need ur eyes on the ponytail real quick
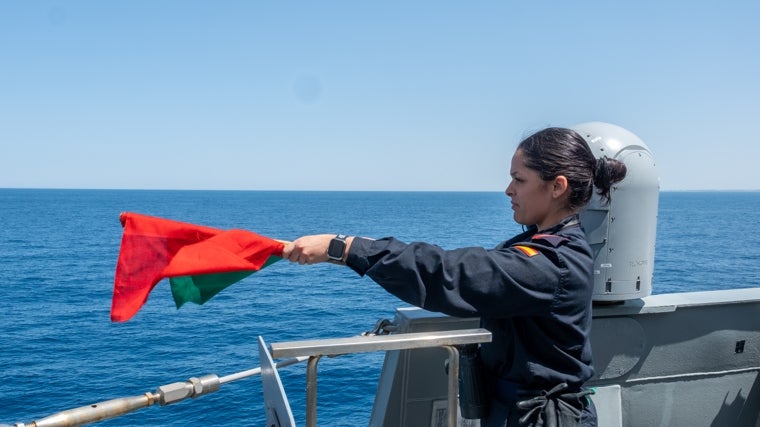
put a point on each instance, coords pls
(607, 173)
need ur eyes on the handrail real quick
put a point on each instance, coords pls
(369, 343)
(315, 349)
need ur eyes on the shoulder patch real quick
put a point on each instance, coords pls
(551, 239)
(527, 250)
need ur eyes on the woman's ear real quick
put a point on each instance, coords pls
(560, 186)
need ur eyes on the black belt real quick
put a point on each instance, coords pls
(535, 402)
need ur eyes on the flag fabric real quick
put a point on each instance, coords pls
(199, 261)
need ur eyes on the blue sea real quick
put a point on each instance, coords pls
(58, 250)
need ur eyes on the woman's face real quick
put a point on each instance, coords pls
(532, 200)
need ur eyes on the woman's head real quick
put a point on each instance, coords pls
(565, 172)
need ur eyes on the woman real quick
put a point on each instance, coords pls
(533, 292)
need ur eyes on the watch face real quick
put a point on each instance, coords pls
(336, 248)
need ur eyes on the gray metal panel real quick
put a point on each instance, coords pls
(412, 381)
(686, 359)
(275, 401)
(609, 407)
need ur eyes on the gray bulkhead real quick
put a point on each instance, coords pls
(687, 359)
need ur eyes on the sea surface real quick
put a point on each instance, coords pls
(58, 250)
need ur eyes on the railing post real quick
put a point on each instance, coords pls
(453, 384)
(311, 391)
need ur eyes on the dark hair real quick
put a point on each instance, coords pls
(560, 151)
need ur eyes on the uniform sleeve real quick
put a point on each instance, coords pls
(502, 282)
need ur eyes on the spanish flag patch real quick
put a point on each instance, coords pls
(527, 250)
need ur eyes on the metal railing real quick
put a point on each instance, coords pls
(315, 349)
(296, 351)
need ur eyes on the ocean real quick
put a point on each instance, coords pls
(58, 250)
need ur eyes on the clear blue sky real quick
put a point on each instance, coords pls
(349, 95)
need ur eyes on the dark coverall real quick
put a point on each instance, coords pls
(533, 292)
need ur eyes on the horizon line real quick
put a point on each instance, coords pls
(339, 190)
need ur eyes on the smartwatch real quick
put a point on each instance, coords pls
(337, 248)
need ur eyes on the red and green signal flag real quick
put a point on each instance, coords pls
(199, 261)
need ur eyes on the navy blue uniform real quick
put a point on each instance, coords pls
(533, 292)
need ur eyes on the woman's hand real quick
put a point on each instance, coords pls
(313, 249)
(308, 249)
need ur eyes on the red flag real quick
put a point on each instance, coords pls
(201, 261)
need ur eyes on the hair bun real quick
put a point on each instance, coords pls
(606, 173)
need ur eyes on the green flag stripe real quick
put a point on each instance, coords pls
(201, 288)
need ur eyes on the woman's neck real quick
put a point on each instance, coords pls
(555, 218)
